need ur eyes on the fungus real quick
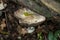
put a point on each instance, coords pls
(30, 29)
(26, 16)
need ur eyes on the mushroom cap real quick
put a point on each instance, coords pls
(30, 29)
(28, 17)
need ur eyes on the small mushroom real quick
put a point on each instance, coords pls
(26, 16)
(2, 5)
(30, 29)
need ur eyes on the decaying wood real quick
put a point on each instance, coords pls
(52, 4)
(55, 13)
(33, 6)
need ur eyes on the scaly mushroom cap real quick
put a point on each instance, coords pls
(29, 17)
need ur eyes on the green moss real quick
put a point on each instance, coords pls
(27, 14)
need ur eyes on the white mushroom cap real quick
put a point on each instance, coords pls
(29, 17)
(2, 5)
(30, 29)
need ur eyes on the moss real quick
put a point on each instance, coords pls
(27, 14)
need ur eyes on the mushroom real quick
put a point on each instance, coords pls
(2, 5)
(30, 29)
(26, 16)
